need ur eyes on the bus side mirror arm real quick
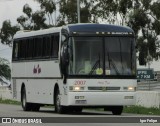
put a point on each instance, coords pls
(64, 61)
(64, 79)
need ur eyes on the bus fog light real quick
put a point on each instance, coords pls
(71, 88)
(128, 97)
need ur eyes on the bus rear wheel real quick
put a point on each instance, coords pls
(58, 107)
(76, 109)
(117, 110)
(35, 107)
(26, 106)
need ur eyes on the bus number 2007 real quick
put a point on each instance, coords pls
(80, 82)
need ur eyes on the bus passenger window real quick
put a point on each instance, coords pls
(22, 50)
(54, 46)
(15, 51)
(46, 47)
(30, 48)
(38, 47)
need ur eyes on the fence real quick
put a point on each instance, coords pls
(148, 86)
(5, 92)
(148, 99)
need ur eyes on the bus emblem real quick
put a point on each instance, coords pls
(37, 70)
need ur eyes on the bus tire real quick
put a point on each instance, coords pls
(26, 106)
(76, 109)
(35, 107)
(117, 110)
(58, 107)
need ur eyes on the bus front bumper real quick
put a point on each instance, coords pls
(101, 98)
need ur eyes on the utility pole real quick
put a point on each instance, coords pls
(55, 22)
(78, 11)
(149, 59)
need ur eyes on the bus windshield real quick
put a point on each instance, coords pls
(109, 56)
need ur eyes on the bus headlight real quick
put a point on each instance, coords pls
(76, 88)
(130, 88)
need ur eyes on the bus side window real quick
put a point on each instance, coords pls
(38, 47)
(46, 46)
(27, 48)
(15, 50)
(22, 49)
(30, 48)
(54, 45)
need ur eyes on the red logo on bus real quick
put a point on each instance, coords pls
(37, 70)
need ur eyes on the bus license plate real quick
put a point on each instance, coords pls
(81, 102)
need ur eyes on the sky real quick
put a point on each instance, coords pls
(11, 9)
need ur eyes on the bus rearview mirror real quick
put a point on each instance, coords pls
(64, 38)
(64, 59)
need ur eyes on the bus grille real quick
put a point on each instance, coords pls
(104, 88)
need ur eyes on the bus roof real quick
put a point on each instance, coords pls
(25, 34)
(84, 27)
(97, 28)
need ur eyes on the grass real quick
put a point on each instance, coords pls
(128, 109)
(141, 110)
(9, 101)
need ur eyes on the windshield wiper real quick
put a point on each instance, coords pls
(95, 65)
(114, 66)
(121, 55)
(111, 62)
(131, 56)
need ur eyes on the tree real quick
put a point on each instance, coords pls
(5, 71)
(32, 20)
(38, 18)
(143, 16)
(144, 19)
(7, 32)
(68, 11)
(26, 21)
(49, 7)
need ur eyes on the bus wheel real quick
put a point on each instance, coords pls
(35, 107)
(58, 107)
(26, 106)
(117, 110)
(77, 109)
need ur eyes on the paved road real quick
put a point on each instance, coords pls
(16, 111)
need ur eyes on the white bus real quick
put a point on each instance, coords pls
(75, 66)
